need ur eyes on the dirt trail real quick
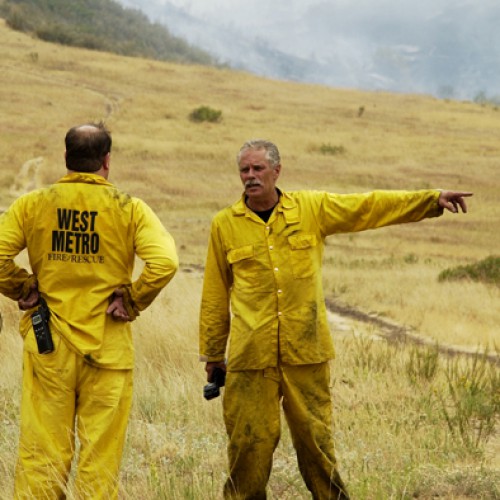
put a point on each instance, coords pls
(112, 100)
(344, 318)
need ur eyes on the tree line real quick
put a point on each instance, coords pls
(99, 25)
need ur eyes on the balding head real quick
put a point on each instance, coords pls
(86, 147)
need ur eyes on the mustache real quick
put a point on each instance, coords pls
(252, 183)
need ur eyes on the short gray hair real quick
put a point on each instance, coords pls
(272, 153)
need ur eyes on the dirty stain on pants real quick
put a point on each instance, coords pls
(252, 417)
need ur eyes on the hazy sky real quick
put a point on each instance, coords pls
(256, 12)
(409, 45)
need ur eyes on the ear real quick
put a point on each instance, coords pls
(277, 170)
(106, 162)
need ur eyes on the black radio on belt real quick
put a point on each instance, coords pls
(40, 322)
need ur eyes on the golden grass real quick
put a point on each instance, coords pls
(392, 439)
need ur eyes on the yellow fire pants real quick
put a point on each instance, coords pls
(61, 393)
(252, 418)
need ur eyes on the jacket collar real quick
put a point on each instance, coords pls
(286, 205)
(86, 178)
(240, 208)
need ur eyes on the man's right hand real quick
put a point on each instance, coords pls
(452, 200)
(211, 366)
(31, 299)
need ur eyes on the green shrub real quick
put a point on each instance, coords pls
(328, 149)
(485, 271)
(16, 18)
(56, 33)
(205, 114)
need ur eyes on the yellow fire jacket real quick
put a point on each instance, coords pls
(82, 235)
(263, 287)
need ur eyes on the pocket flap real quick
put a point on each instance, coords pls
(301, 241)
(240, 253)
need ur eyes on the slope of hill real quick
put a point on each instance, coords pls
(424, 425)
(330, 139)
(99, 25)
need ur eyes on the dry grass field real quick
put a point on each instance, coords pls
(411, 422)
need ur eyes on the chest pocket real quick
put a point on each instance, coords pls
(244, 266)
(302, 251)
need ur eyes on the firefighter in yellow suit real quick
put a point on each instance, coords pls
(82, 235)
(263, 307)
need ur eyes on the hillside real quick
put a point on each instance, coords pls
(186, 170)
(424, 422)
(99, 25)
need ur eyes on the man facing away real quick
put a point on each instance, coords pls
(263, 306)
(82, 235)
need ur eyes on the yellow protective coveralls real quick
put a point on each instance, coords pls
(263, 301)
(82, 235)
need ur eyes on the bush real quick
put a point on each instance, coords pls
(16, 18)
(205, 114)
(57, 34)
(485, 271)
(328, 149)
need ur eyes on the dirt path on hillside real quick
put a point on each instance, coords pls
(111, 99)
(345, 318)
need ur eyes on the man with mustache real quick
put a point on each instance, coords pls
(263, 295)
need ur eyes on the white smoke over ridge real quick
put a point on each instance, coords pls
(447, 48)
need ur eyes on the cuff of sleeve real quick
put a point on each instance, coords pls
(437, 209)
(28, 286)
(128, 302)
(211, 359)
